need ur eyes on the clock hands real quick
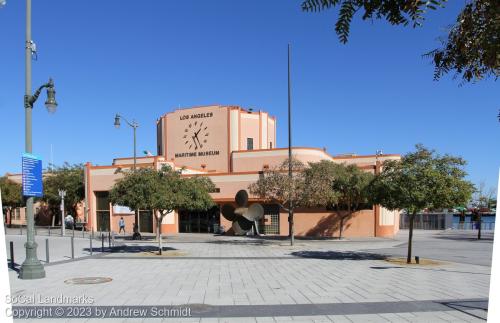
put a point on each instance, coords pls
(195, 138)
(198, 139)
(195, 144)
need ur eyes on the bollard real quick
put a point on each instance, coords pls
(47, 251)
(417, 259)
(21, 228)
(102, 242)
(109, 240)
(72, 248)
(12, 255)
(91, 236)
(73, 230)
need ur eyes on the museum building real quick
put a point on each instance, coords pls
(232, 146)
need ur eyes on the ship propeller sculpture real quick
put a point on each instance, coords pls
(243, 217)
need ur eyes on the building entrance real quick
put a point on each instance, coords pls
(199, 222)
(145, 221)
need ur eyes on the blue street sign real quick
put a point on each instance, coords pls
(32, 176)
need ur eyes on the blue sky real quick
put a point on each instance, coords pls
(144, 58)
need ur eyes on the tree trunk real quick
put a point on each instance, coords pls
(158, 231)
(410, 237)
(341, 227)
(479, 227)
(9, 210)
(136, 219)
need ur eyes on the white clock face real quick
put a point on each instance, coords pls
(195, 135)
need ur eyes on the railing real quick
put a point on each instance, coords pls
(77, 231)
(473, 226)
(424, 222)
(443, 222)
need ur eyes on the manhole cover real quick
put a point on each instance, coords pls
(88, 280)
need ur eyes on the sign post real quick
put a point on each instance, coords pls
(32, 187)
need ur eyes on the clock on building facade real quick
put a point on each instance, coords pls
(195, 135)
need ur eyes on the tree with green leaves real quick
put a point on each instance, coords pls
(276, 186)
(341, 187)
(172, 192)
(133, 191)
(11, 195)
(318, 180)
(69, 178)
(472, 48)
(421, 180)
(162, 191)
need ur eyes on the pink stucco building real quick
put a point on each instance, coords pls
(232, 146)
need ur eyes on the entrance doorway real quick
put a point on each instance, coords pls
(102, 211)
(146, 221)
(199, 222)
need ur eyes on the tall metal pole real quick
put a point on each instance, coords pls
(63, 225)
(31, 268)
(290, 207)
(135, 146)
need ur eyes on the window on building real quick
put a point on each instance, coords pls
(159, 137)
(102, 210)
(249, 143)
(270, 224)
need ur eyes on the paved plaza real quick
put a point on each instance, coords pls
(240, 279)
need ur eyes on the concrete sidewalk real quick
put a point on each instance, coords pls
(323, 281)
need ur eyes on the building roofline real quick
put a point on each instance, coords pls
(141, 157)
(318, 149)
(231, 107)
(365, 156)
(254, 172)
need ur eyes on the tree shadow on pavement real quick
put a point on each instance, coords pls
(131, 249)
(339, 255)
(241, 242)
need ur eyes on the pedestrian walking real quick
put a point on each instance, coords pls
(121, 224)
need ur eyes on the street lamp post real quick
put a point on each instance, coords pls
(290, 206)
(134, 126)
(32, 268)
(62, 194)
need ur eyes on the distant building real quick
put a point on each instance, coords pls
(232, 146)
